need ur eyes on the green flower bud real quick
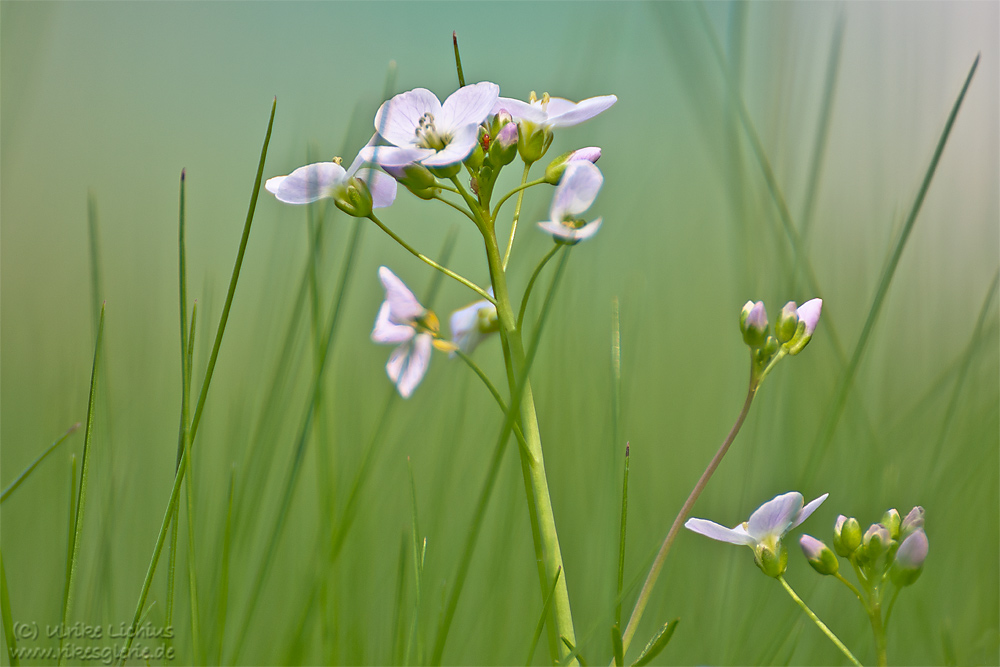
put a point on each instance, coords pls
(355, 199)
(446, 172)
(909, 561)
(788, 322)
(819, 555)
(532, 141)
(772, 562)
(475, 159)
(891, 521)
(877, 541)
(846, 535)
(503, 148)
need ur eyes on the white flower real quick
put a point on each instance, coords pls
(473, 324)
(329, 179)
(575, 193)
(552, 112)
(423, 130)
(765, 529)
(402, 320)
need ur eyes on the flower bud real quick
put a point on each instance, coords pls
(416, 178)
(819, 555)
(913, 521)
(891, 522)
(846, 535)
(753, 324)
(532, 141)
(447, 171)
(772, 562)
(556, 168)
(500, 121)
(355, 199)
(876, 541)
(788, 322)
(808, 314)
(503, 150)
(475, 159)
(909, 561)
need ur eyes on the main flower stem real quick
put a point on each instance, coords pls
(878, 629)
(532, 465)
(654, 571)
(820, 624)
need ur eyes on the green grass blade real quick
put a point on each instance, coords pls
(616, 436)
(69, 523)
(82, 494)
(657, 643)
(621, 541)
(397, 614)
(8, 618)
(34, 464)
(412, 643)
(617, 648)
(847, 380)
(189, 486)
(458, 60)
(537, 634)
(472, 535)
(179, 476)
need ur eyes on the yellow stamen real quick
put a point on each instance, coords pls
(337, 160)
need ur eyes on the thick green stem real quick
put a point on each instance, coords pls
(536, 485)
(654, 571)
(815, 619)
(878, 629)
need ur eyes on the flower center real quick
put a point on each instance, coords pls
(573, 223)
(427, 134)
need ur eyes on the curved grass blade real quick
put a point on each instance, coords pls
(657, 643)
(34, 464)
(179, 476)
(82, 495)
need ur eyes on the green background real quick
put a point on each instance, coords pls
(112, 100)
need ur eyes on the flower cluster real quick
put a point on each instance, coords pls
(422, 143)
(792, 332)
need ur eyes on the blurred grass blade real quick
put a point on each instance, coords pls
(621, 541)
(657, 643)
(34, 464)
(418, 569)
(189, 487)
(8, 618)
(574, 653)
(397, 614)
(963, 372)
(537, 634)
(179, 476)
(227, 538)
(847, 380)
(82, 494)
(472, 535)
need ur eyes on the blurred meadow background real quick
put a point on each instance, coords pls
(103, 104)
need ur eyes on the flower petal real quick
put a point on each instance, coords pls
(468, 105)
(307, 184)
(804, 513)
(382, 187)
(416, 365)
(717, 532)
(520, 110)
(774, 518)
(560, 116)
(463, 141)
(577, 189)
(562, 231)
(403, 306)
(397, 360)
(396, 120)
(398, 156)
(387, 331)
(809, 313)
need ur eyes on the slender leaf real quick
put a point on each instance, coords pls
(657, 643)
(34, 464)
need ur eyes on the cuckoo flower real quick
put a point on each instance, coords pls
(422, 129)
(576, 191)
(553, 112)
(402, 320)
(354, 190)
(473, 324)
(765, 529)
